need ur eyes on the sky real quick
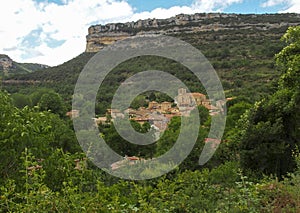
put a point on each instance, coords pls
(54, 31)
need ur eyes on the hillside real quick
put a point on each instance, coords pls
(61, 78)
(240, 47)
(9, 67)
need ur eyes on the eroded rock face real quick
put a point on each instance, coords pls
(101, 35)
(97, 41)
(5, 63)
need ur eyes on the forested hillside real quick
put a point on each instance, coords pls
(241, 50)
(243, 59)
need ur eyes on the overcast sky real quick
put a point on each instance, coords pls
(53, 31)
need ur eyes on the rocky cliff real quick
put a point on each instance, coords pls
(6, 64)
(101, 35)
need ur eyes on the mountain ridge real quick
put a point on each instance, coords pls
(10, 67)
(100, 36)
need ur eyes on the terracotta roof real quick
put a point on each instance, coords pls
(231, 98)
(133, 158)
(211, 107)
(212, 140)
(195, 94)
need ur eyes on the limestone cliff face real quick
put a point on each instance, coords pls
(101, 35)
(97, 41)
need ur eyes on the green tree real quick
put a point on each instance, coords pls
(152, 96)
(270, 131)
(52, 101)
(21, 100)
(203, 114)
(288, 60)
(37, 94)
(235, 112)
(139, 101)
(123, 147)
(169, 137)
(39, 132)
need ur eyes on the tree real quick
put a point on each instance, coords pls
(269, 131)
(39, 132)
(37, 94)
(21, 100)
(139, 101)
(123, 147)
(169, 137)
(52, 101)
(235, 112)
(203, 114)
(288, 60)
(152, 96)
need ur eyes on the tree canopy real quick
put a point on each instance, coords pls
(269, 131)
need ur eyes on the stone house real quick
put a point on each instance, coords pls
(153, 105)
(166, 106)
(184, 99)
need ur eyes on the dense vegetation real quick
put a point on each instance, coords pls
(255, 169)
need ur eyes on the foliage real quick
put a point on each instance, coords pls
(125, 148)
(21, 100)
(39, 132)
(270, 131)
(203, 114)
(52, 101)
(205, 191)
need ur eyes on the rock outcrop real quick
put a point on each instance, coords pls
(6, 63)
(101, 35)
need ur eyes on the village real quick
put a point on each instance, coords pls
(159, 114)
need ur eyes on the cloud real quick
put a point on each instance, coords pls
(291, 6)
(52, 33)
(214, 5)
(37, 27)
(31, 53)
(197, 6)
(272, 3)
(10, 49)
